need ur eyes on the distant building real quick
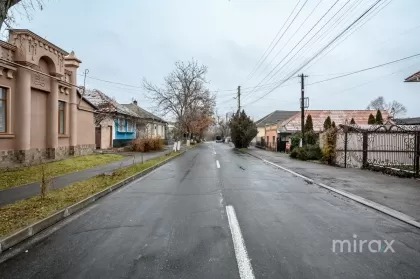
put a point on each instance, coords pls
(153, 125)
(407, 121)
(293, 124)
(118, 124)
(267, 127)
(115, 124)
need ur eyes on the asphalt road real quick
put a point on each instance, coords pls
(217, 213)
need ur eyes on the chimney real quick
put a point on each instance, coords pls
(135, 102)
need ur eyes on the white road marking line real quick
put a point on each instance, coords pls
(242, 259)
(218, 164)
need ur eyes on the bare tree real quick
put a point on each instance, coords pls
(23, 7)
(183, 95)
(394, 108)
(222, 125)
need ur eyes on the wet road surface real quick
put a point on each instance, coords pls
(217, 213)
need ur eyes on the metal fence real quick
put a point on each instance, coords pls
(261, 144)
(387, 146)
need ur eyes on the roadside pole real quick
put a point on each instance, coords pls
(302, 106)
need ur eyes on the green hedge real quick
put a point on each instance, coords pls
(308, 152)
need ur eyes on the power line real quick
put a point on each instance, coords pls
(319, 52)
(299, 41)
(329, 29)
(378, 9)
(297, 30)
(262, 97)
(367, 69)
(291, 58)
(261, 60)
(113, 82)
(335, 39)
(290, 24)
(380, 77)
(137, 87)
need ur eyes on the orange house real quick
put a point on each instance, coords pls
(271, 136)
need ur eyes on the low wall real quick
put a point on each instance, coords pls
(15, 158)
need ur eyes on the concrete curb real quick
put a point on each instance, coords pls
(381, 208)
(23, 234)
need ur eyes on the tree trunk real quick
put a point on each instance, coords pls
(5, 6)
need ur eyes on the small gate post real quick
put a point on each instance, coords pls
(345, 149)
(365, 149)
(417, 154)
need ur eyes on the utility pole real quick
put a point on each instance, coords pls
(302, 105)
(239, 98)
(85, 73)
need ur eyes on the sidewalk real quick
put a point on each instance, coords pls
(21, 192)
(401, 194)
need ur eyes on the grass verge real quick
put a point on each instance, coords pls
(25, 212)
(23, 175)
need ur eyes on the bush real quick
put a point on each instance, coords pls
(295, 141)
(294, 152)
(243, 129)
(328, 152)
(308, 152)
(147, 144)
(314, 152)
(311, 137)
(302, 153)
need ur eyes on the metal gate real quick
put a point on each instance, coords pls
(388, 146)
(281, 145)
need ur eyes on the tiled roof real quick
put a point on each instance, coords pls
(338, 116)
(142, 113)
(275, 117)
(408, 121)
(413, 78)
(86, 100)
(106, 104)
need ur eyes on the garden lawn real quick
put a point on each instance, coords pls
(25, 212)
(23, 175)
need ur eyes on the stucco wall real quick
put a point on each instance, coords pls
(9, 85)
(106, 137)
(261, 132)
(7, 144)
(85, 126)
(271, 131)
(39, 119)
(63, 141)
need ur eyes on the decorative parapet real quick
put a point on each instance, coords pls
(31, 47)
(7, 50)
(6, 54)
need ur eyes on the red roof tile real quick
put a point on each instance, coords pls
(338, 116)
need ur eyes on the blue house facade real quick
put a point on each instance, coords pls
(116, 123)
(125, 132)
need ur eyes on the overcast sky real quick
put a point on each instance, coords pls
(135, 39)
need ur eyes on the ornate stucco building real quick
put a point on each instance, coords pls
(42, 114)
